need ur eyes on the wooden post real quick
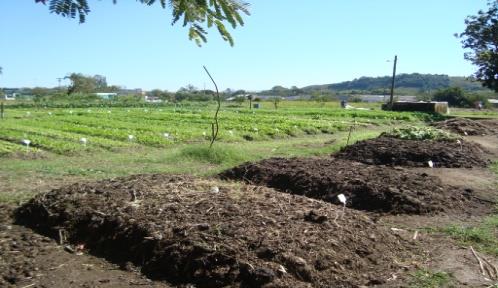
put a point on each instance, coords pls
(391, 99)
(1, 110)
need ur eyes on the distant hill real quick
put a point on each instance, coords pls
(414, 83)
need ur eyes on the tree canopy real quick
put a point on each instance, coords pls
(481, 37)
(195, 14)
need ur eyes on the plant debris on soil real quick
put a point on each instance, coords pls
(400, 152)
(367, 187)
(210, 233)
(467, 127)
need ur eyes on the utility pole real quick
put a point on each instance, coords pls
(391, 99)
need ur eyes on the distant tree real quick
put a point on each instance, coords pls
(453, 95)
(196, 14)
(81, 84)
(100, 82)
(481, 36)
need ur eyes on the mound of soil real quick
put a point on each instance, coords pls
(367, 187)
(399, 152)
(28, 259)
(464, 126)
(210, 233)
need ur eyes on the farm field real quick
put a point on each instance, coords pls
(73, 131)
(397, 227)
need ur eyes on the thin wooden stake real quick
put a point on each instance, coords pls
(215, 125)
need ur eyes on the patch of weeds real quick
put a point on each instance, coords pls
(483, 237)
(424, 278)
(215, 155)
(421, 133)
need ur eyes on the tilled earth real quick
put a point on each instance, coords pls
(468, 127)
(209, 233)
(400, 152)
(30, 260)
(367, 187)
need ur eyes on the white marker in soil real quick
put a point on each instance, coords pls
(26, 142)
(83, 141)
(431, 164)
(166, 135)
(130, 137)
(343, 200)
(215, 189)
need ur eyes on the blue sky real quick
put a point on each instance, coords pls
(284, 42)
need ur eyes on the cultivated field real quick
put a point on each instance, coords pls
(71, 131)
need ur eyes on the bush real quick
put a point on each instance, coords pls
(421, 133)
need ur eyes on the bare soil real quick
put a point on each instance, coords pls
(400, 152)
(367, 187)
(213, 234)
(28, 259)
(468, 127)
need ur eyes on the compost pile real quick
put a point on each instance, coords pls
(210, 233)
(415, 153)
(17, 251)
(371, 188)
(464, 126)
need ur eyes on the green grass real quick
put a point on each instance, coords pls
(218, 154)
(428, 279)
(22, 178)
(484, 236)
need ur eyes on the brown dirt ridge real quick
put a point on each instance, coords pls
(414, 153)
(217, 234)
(367, 187)
(468, 127)
(28, 259)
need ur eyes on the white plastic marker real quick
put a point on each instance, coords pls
(343, 200)
(26, 142)
(461, 146)
(166, 135)
(230, 131)
(204, 133)
(130, 137)
(255, 129)
(215, 189)
(109, 111)
(70, 111)
(83, 141)
(431, 164)
(50, 113)
(28, 113)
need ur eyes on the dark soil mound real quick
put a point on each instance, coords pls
(215, 234)
(28, 259)
(367, 187)
(415, 153)
(464, 126)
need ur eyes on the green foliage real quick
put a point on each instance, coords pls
(421, 133)
(86, 84)
(483, 236)
(480, 36)
(59, 130)
(424, 278)
(216, 154)
(455, 97)
(197, 15)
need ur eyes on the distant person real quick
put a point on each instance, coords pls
(344, 103)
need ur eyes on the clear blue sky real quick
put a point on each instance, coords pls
(284, 42)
